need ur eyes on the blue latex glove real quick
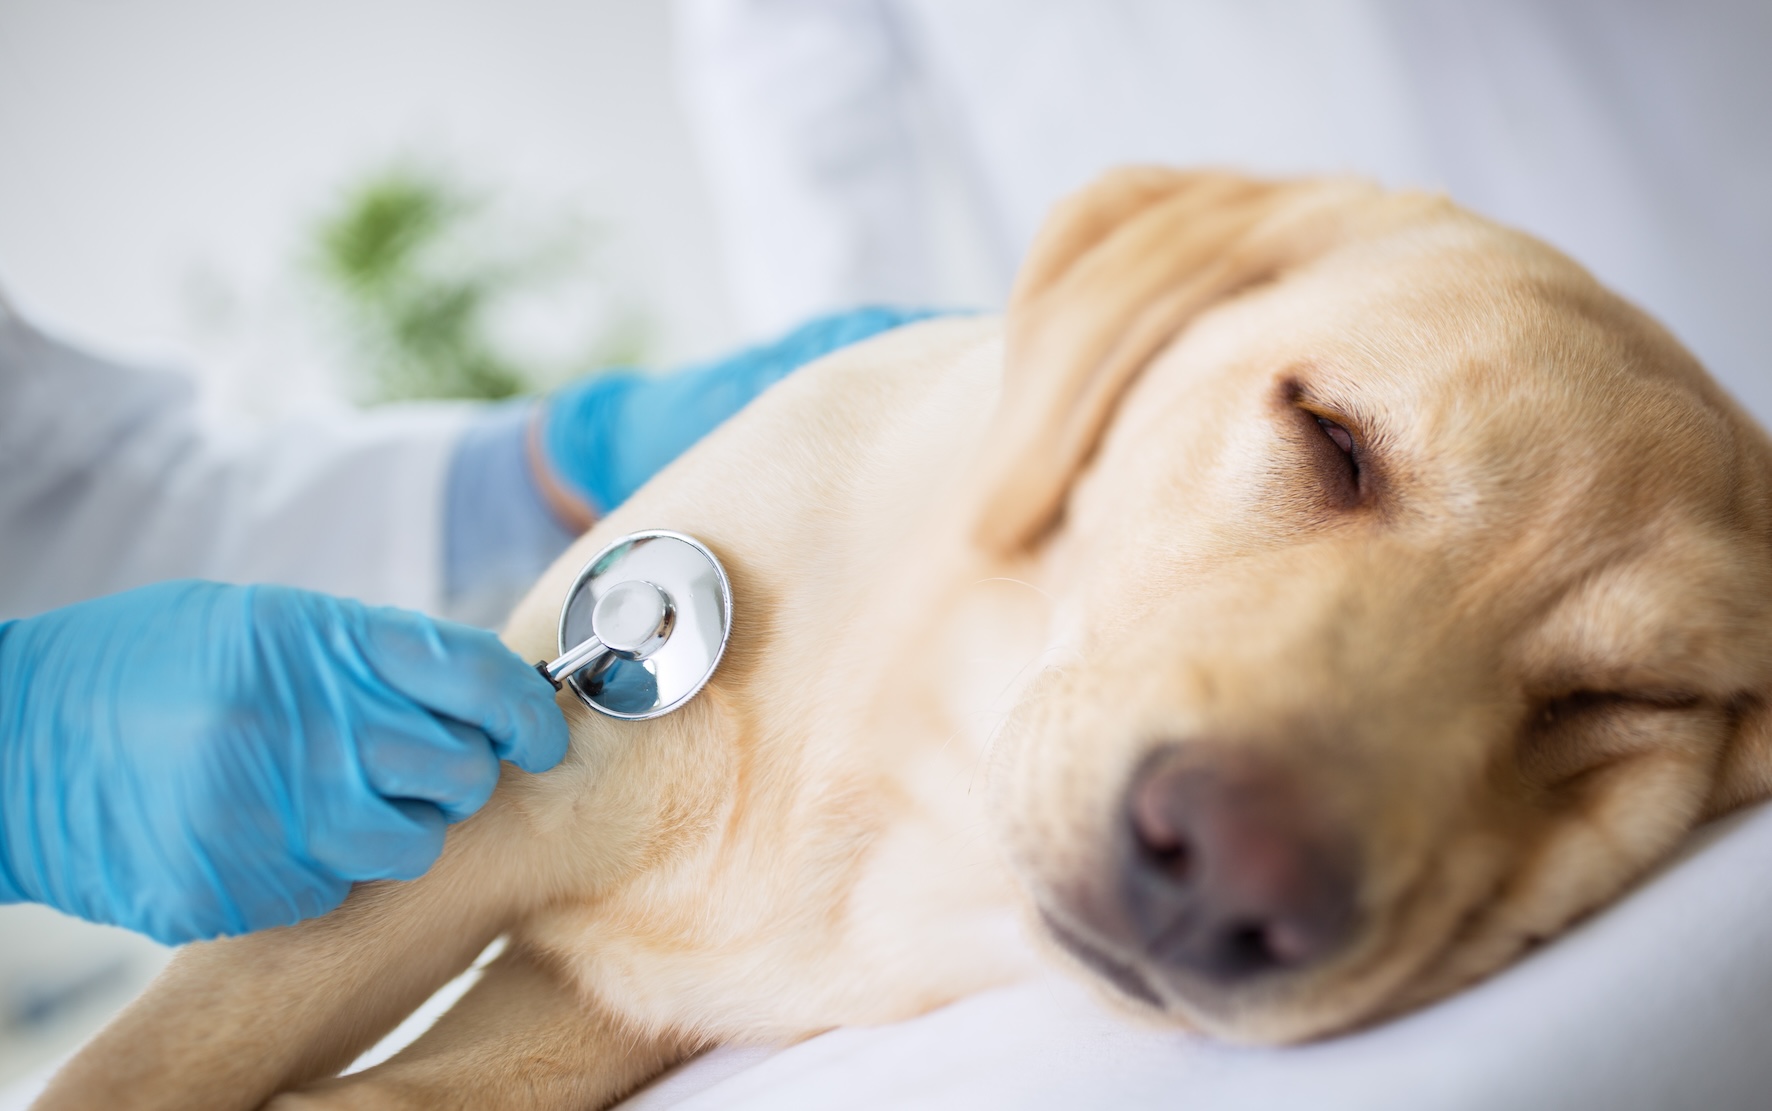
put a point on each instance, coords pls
(605, 437)
(192, 759)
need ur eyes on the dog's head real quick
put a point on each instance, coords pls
(1412, 594)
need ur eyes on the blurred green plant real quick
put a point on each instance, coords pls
(420, 271)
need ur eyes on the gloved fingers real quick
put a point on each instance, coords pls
(430, 759)
(377, 839)
(467, 674)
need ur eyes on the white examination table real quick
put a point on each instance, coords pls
(1663, 1001)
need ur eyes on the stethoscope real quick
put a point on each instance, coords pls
(643, 626)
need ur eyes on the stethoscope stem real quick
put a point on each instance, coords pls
(633, 620)
(579, 657)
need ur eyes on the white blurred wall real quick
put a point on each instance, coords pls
(159, 160)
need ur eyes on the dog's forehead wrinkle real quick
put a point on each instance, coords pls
(1473, 337)
(1501, 459)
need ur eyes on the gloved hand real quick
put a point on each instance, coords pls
(193, 759)
(603, 438)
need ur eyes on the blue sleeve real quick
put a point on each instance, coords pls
(606, 436)
(498, 532)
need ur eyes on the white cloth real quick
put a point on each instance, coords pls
(110, 479)
(1636, 136)
(1662, 1001)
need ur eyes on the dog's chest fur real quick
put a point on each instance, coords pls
(836, 768)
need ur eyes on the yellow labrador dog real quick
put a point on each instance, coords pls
(1310, 598)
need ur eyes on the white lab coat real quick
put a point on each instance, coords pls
(840, 134)
(110, 478)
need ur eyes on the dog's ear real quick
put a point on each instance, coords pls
(1116, 273)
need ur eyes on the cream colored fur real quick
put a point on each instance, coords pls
(973, 589)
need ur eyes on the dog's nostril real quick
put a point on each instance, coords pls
(1159, 840)
(1286, 943)
(1228, 875)
(1248, 945)
(1172, 858)
(1251, 947)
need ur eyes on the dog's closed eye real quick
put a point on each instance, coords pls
(1338, 459)
(1568, 707)
(1342, 437)
(1574, 733)
(1335, 449)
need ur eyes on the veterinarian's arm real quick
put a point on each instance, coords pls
(528, 478)
(110, 478)
(602, 439)
(193, 759)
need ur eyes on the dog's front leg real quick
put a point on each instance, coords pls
(521, 1039)
(230, 1023)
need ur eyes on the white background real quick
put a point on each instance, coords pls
(160, 162)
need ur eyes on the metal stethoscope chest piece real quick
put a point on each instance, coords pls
(643, 626)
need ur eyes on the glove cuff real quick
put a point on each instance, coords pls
(573, 450)
(571, 508)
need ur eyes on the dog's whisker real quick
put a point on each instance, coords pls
(1017, 582)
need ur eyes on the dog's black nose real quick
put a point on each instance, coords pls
(1228, 870)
